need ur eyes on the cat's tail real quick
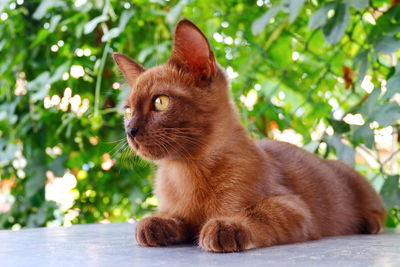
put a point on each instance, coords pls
(369, 203)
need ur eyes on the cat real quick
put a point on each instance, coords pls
(215, 185)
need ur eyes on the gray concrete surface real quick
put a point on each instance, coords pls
(114, 245)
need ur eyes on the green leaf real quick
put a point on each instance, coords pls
(39, 218)
(57, 166)
(91, 25)
(43, 34)
(36, 182)
(281, 51)
(393, 86)
(7, 151)
(336, 26)
(39, 87)
(388, 23)
(362, 135)
(260, 23)
(2, 44)
(3, 4)
(391, 191)
(358, 4)
(312, 146)
(361, 64)
(391, 221)
(173, 14)
(57, 75)
(387, 44)
(387, 114)
(145, 53)
(294, 9)
(125, 16)
(320, 17)
(339, 126)
(343, 151)
(41, 11)
(54, 22)
(114, 32)
(369, 107)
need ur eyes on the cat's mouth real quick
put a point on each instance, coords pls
(133, 143)
(148, 152)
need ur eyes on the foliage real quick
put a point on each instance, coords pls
(320, 73)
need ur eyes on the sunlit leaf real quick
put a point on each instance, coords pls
(320, 17)
(3, 4)
(393, 86)
(311, 147)
(362, 135)
(124, 19)
(91, 25)
(336, 26)
(387, 44)
(114, 32)
(343, 151)
(260, 23)
(387, 114)
(294, 9)
(43, 34)
(41, 11)
(391, 191)
(58, 165)
(361, 64)
(173, 14)
(358, 4)
(54, 22)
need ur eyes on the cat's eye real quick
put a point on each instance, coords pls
(128, 112)
(161, 103)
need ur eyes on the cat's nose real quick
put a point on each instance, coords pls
(132, 132)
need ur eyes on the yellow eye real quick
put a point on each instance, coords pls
(161, 103)
(128, 113)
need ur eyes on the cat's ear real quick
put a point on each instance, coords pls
(129, 68)
(191, 50)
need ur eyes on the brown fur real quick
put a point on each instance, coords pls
(215, 184)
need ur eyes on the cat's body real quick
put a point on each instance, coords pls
(214, 183)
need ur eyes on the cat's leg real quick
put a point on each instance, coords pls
(158, 231)
(275, 220)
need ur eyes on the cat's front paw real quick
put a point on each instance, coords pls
(158, 231)
(219, 235)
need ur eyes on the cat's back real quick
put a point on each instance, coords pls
(315, 179)
(293, 158)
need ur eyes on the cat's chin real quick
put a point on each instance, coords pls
(139, 150)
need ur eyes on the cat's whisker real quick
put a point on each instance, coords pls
(189, 139)
(195, 141)
(114, 151)
(185, 135)
(127, 154)
(186, 153)
(113, 142)
(163, 142)
(120, 150)
(163, 146)
(119, 158)
(182, 138)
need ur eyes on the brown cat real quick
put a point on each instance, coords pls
(215, 184)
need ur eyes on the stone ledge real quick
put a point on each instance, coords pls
(114, 245)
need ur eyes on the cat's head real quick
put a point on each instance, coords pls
(173, 109)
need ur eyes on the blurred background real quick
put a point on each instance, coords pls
(324, 75)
